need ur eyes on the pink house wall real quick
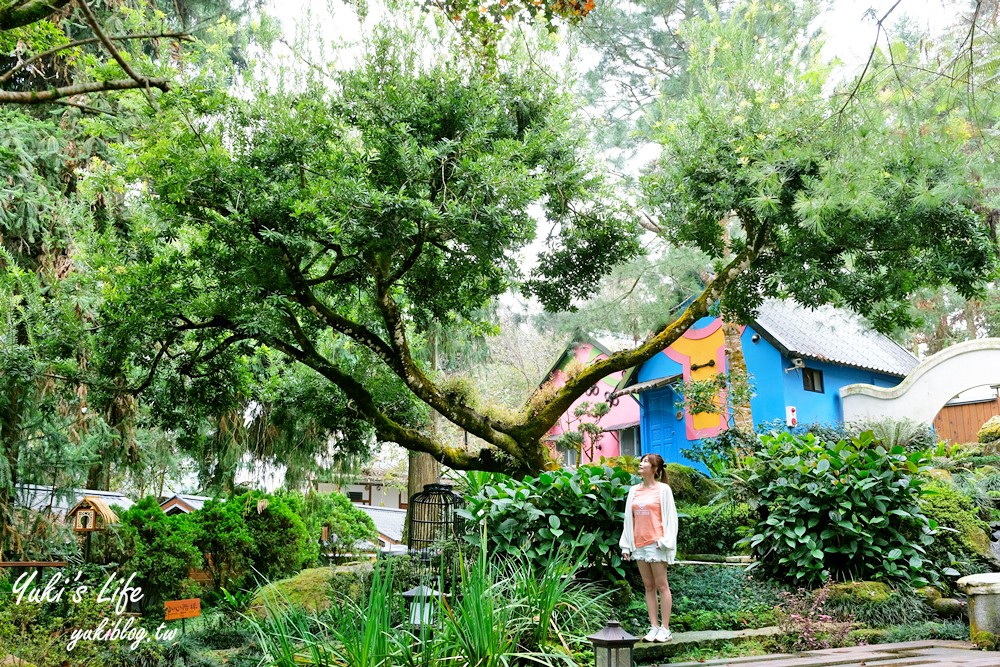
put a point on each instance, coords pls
(626, 412)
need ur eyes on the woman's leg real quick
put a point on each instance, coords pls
(659, 575)
(649, 585)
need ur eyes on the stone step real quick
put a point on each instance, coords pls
(646, 653)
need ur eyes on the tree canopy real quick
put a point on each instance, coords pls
(335, 222)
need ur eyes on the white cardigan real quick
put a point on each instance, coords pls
(669, 513)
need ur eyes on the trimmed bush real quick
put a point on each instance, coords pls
(160, 549)
(315, 589)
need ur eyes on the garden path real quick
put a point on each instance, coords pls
(907, 654)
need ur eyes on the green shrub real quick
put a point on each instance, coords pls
(282, 545)
(160, 549)
(581, 510)
(338, 514)
(309, 590)
(226, 542)
(962, 538)
(713, 529)
(689, 486)
(708, 597)
(839, 510)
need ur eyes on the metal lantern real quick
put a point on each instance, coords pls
(612, 646)
(433, 518)
(420, 600)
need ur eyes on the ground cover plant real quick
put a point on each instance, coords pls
(707, 597)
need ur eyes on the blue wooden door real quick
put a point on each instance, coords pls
(657, 431)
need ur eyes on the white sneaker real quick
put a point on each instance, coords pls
(663, 635)
(653, 633)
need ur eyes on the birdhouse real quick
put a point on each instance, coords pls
(91, 514)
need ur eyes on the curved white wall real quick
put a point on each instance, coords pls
(935, 381)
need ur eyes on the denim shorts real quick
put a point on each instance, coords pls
(651, 554)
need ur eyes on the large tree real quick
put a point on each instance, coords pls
(336, 223)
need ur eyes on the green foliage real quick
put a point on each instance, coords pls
(689, 485)
(706, 396)
(580, 510)
(335, 512)
(962, 540)
(226, 542)
(494, 617)
(713, 529)
(254, 216)
(159, 548)
(883, 609)
(281, 544)
(818, 181)
(840, 510)
(955, 630)
(309, 590)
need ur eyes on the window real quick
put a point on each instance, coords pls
(812, 380)
(356, 496)
(628, 441)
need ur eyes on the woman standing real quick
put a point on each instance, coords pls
(650, 539)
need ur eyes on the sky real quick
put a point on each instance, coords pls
(850, 28)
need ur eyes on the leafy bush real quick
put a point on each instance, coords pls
(160, 549)
(840, 510)
(581, 510)
(893, 607)
(713, 529)
(928, 630)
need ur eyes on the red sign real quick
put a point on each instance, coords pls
(178, 609)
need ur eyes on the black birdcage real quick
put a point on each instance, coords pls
(433, 518)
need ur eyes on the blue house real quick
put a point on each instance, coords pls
(797, 358)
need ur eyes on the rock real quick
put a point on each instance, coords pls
(853, 591)
(989, 431)
(985, 640)
(930, 594)
(949, 607)
(939, 474)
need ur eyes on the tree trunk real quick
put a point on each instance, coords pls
(424, 468)
(737, 365)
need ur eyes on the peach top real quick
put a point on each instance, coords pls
(647, 516)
